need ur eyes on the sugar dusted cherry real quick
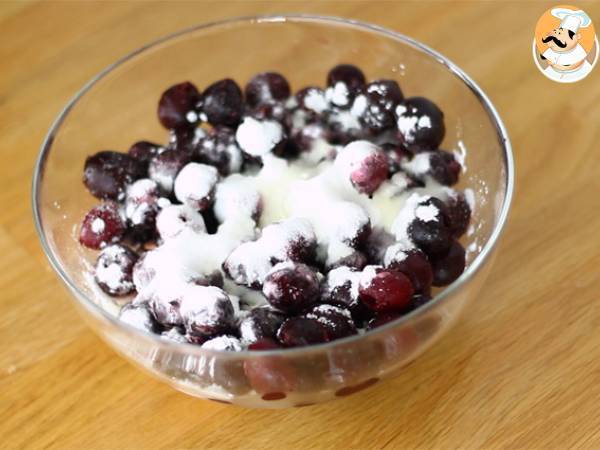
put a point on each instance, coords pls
(265, 88)
(107, 174)
(177, 106)
(384, 290)
(101, 226)
(114, 268)
(291, 287)
(448, 267)
(195, 185)
(164, 168)
(222, 103)
(421, 124)
(301, 331)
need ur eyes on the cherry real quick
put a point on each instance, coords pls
(414, 264)
(102, 225)
(421, 124)
(459, 214)
(291, 287)
(222, 103)
(260, 323)
(448, 267)
(386, 93)
(219, 149)
(312, 100)
(337, 321)
(301, 331)
(265, 88)
(177, 106)
(195, 185)
(138, 316)
(348, 74)
(164, 168)
(370, 173)
(174, 219)
(444, 167)
(226, 373)
(206, 311)
(107, 174)
(114, 268)
(388, 290)
(144, 151)
(431, 232)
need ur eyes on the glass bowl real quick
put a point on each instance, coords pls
(118, 107)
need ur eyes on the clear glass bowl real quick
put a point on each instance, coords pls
(118, 107)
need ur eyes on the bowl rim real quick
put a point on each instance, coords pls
(155, 339)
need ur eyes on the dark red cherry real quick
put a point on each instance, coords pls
(459, 214)
(337, 321)
(107, 174)
(301, 331)
(222, 103)
(101, 226)
(444, 167)
(144, 151)
(448, 267)
(266, 87)
(291, 287)
(348, 74)
(114, 268)
(414, 264)
(177, 106)
(421, 124)
(388, 290)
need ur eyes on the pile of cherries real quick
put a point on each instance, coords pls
(379, 282)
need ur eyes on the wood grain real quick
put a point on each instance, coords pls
(521, 368)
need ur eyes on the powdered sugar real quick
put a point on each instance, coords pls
(195, 184)
(427, 213)
(236, 195)
(315, 100)
(98, 225)
(173, 219)
(223, 343)
(258, 138)
(337, 94)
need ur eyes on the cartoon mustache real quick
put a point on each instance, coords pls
(556, 41)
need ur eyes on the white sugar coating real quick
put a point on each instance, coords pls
(409, 124)
(174, 335)
(284, 265)
(400, 110)
(470, 198)
(337, 94)
(427, 213)
(163, 202)
(397, 252)
(248, 264)
(352, 156)
(339, 277)
(142, 189)
(337, 250)
(419, 165)
(113, 277)
(330, 309)
(258, 138)
(191, 116)
(113, 274)
(228, 343)
(406, 216)
(234, 196)
(251, 298)
(367, 275)
(359, 106)
(98, 225)
(424, 122)
(315, 100)
(137, 316)
(276, 237)
(346, 120)
(173, 219)
(194, 183)
(203, 305)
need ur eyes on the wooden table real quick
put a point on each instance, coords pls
(520, 370)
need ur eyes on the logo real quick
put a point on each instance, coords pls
(565, 46)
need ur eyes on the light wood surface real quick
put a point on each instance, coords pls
(520, 370)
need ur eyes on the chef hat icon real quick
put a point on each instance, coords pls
(572, 20)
